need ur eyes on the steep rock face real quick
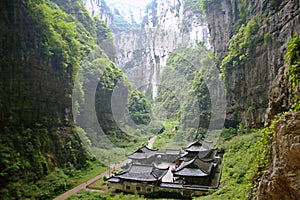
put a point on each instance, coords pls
(167, 24)
(281, 180)
(222, 17)
(33, 87)
(248, 85)
(280, 96)
(35, 100)
(132, 14)
(100, 8)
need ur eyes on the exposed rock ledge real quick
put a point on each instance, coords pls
(281, 180)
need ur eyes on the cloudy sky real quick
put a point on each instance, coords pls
(136, 3)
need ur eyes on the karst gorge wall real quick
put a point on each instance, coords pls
(35, 94)
(99, 8)
(37, 69)
(259, 87)
(36, 104)
(166, 25)
(248, 81)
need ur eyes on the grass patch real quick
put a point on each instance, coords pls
(166, 139)
(116, 154)
(244, 156)
(100, 184)
(109, 196)
(59, 181)
(95, 168)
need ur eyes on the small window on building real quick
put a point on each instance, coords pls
(149, 190)
(138, 188)
(127, 187)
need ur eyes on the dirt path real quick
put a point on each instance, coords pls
(80, 187)
(151, 141)
(106, 173)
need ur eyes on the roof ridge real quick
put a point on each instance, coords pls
(184, 164)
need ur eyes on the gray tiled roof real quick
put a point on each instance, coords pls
(204, 166)
(141, 172)
(114, 180)
(199, 145)
(191, 172)
(145, 149)
(204, 154)
(172, 152)
(196, 148)
(184, 164)
(195, 165)
(143, 153)
(206, 157)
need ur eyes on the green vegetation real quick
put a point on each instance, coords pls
(166, 139)
(55, 182)
(190, 103)
(293, 58)
(61, 40)
(100, 196)
(139, 108)
(27, 161)
(117, 153)
(203, 4)
(114, 78)
(241, 47)
(267, 38)
(87, 195)
(242, 8)
(192, 5)
(244, 160)
(153, 7)
(121, 25)
(43, 158)
(200, 90)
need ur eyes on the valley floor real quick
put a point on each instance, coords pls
(244, 150)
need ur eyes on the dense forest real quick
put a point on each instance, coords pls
(69, 106)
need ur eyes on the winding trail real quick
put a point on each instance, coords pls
(104, 174)
(151, 141)
(80, 187)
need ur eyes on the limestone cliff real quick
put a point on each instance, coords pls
(99, 8)
(37, 130)
(33, 87)
(167, 25)
(249, 83)
(260, 88)
(281, 180)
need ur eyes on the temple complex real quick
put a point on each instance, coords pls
(192, 172)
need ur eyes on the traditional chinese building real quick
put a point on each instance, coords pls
(195, 171)
(144, 155)
(139, 178)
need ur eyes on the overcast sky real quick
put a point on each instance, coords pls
(136, 3)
